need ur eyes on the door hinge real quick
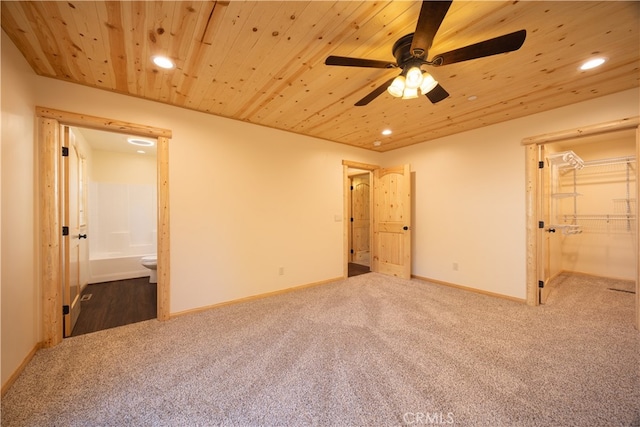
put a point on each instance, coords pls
(351, 188)
(540, 284)
(65, 309)
(65, 230)
(351, 219)
(541, 165)
(540, 224)
(65, 151)
(352, 251)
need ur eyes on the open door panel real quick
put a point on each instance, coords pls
(392, 221)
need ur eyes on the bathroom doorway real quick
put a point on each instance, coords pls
(50, 124)
(120, 228)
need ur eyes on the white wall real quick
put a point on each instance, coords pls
(20, 295)
(123, 168)
(470, 195)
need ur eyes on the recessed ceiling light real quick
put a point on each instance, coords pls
(472, 98)
(163, 62)
(140, 142)
(377, 143)
(140, 151)
(387, 132)
(592, 63)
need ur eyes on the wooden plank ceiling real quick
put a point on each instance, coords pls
(263, 62)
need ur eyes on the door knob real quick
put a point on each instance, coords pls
(551, 230)
(405, 228)
(82, 236)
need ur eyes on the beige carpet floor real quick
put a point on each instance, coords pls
(367, 351)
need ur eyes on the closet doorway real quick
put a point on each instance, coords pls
(536, 210)
(590, 209)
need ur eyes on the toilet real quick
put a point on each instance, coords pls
(151, 262)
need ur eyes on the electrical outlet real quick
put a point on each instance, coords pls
(455, 266)
(281, 271)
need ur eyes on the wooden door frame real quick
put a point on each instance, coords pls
(346, 165)
(50, 226)
(532, 194)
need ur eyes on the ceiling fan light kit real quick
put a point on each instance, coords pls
(407, 87)
(411, 52)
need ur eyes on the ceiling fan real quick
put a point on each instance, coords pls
(411, 52)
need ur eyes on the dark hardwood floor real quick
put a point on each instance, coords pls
(116, 303)
(357, 269)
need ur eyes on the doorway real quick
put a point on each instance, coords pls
(591, 217)
(119, 200)
(389, 199)
(536, 263)
(359, 222)
(50, 142)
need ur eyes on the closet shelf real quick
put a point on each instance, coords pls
(601, 217)
(568, 174)
(627, 161)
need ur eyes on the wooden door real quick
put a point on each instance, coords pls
(392, 221)
(73, 214)
(544, 233)
(360, 219)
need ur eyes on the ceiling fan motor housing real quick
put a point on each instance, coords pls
(402, 50)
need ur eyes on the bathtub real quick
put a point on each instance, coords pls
(107, 267)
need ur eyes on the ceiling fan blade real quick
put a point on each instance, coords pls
(432, 14)
(374, 93)
(437, 94)
(506, 43)
(345, 61)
